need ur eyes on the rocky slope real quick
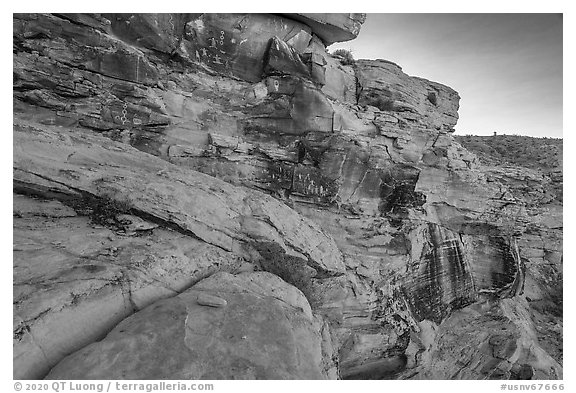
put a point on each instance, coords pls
(226, 167)
(532, 170)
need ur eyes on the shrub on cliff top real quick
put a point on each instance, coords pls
(382, 103)
(433, 98)
(345, 55)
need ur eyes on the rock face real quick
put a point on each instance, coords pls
(125, 275)
(74, 280)
(183, 338)
(532, 170)
(385, 86)
(191, 150)
(332, 27)
(216, 213)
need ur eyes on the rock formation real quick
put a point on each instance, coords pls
(188, 337)
(226, 168)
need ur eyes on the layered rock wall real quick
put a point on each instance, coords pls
(241, 133)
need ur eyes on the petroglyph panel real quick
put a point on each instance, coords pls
(308, 181)
(236, 44)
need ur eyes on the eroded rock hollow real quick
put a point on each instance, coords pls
(221, 192)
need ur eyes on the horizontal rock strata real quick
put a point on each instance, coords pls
(165, 161)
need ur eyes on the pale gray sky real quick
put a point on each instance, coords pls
(506, 67)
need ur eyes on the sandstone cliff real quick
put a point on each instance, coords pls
(225, 167)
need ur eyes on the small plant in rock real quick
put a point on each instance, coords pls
(101, 210)
(293, 270)
(346, 57)
(382, 103)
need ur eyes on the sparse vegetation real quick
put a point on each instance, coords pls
(433, 98)
(293, 270)
(534, 153)
(382, 103)
(101, 210)
(541, 154)
(346, 57)
(382, 99)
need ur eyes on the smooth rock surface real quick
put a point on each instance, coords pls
(217, 213)
(263, 333)
(74, 279)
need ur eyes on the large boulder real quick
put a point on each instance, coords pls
(236, 44)
(494, 342)
(332, 27)
(246, 326)
(80, 267)
(384, 85)
(283, 59)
